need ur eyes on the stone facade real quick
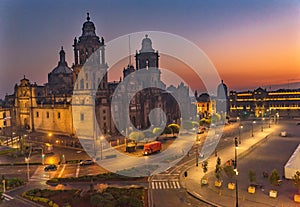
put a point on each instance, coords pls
(67, 100)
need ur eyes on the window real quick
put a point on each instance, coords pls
(86, 85)
(82, 117)
(81, 84)
(104, 111)
(47, 114)
(86, 76)
(37, 114)
(58, 115)
(104, 118)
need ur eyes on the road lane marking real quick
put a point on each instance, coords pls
(174, 184)
(7, 197)
(153, 185)
(62, 170)
(77, 170)
(163, 185)
(178, 185)
(156, 185)
(167, 185)
(159, 184)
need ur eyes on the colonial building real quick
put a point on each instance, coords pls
(260, 103)
(208, 105)
(66, 100)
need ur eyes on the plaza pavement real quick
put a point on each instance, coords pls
(225, 197)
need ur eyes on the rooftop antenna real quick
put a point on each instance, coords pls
(129, 50)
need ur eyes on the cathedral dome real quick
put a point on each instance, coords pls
(147, 45)
(88, 28)
(62, 66)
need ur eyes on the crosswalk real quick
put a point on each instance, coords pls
(40, 175)
(160, 185)
(7, 197)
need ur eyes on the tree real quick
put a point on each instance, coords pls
(229, 171)
(149, 134)
(175, 128)
(218, 169)
(168, 130)
(215, 118)
(296, 180)
(274, 177)
(204, 167)
(195, 124)
(136, 136)
(157, 131)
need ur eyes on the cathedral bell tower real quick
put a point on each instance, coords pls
(86, 45)
(90, 78)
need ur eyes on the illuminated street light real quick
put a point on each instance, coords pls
(49, 136)
(236, 144)
(101, 146)
(253, 122)
(240, 127)
(262, 124)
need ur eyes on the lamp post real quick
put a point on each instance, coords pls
(253, 122)
(197, 152)
(49, 136)
(240, 127)
(236, 172)
(262, 124)
(101, 146)
(43, 157)
(27, 160)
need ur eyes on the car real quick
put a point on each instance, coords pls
(50, 168)
(86, 162)
(283, 134)
(298, 123)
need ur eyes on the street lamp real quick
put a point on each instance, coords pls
(43, 157)
(197, 152)
(49, 136)
(253, 122)
(240, 127)
(101, 146)
(236, 171)
(27, 160)
(262, 124)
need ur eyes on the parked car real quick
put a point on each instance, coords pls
(50, 168)
(86, 162)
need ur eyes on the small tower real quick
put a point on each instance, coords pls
(146, 57)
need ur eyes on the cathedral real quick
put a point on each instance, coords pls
(66, 98)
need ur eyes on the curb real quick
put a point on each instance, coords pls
(23, 200)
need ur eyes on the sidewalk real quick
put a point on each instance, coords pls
(225, 197)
